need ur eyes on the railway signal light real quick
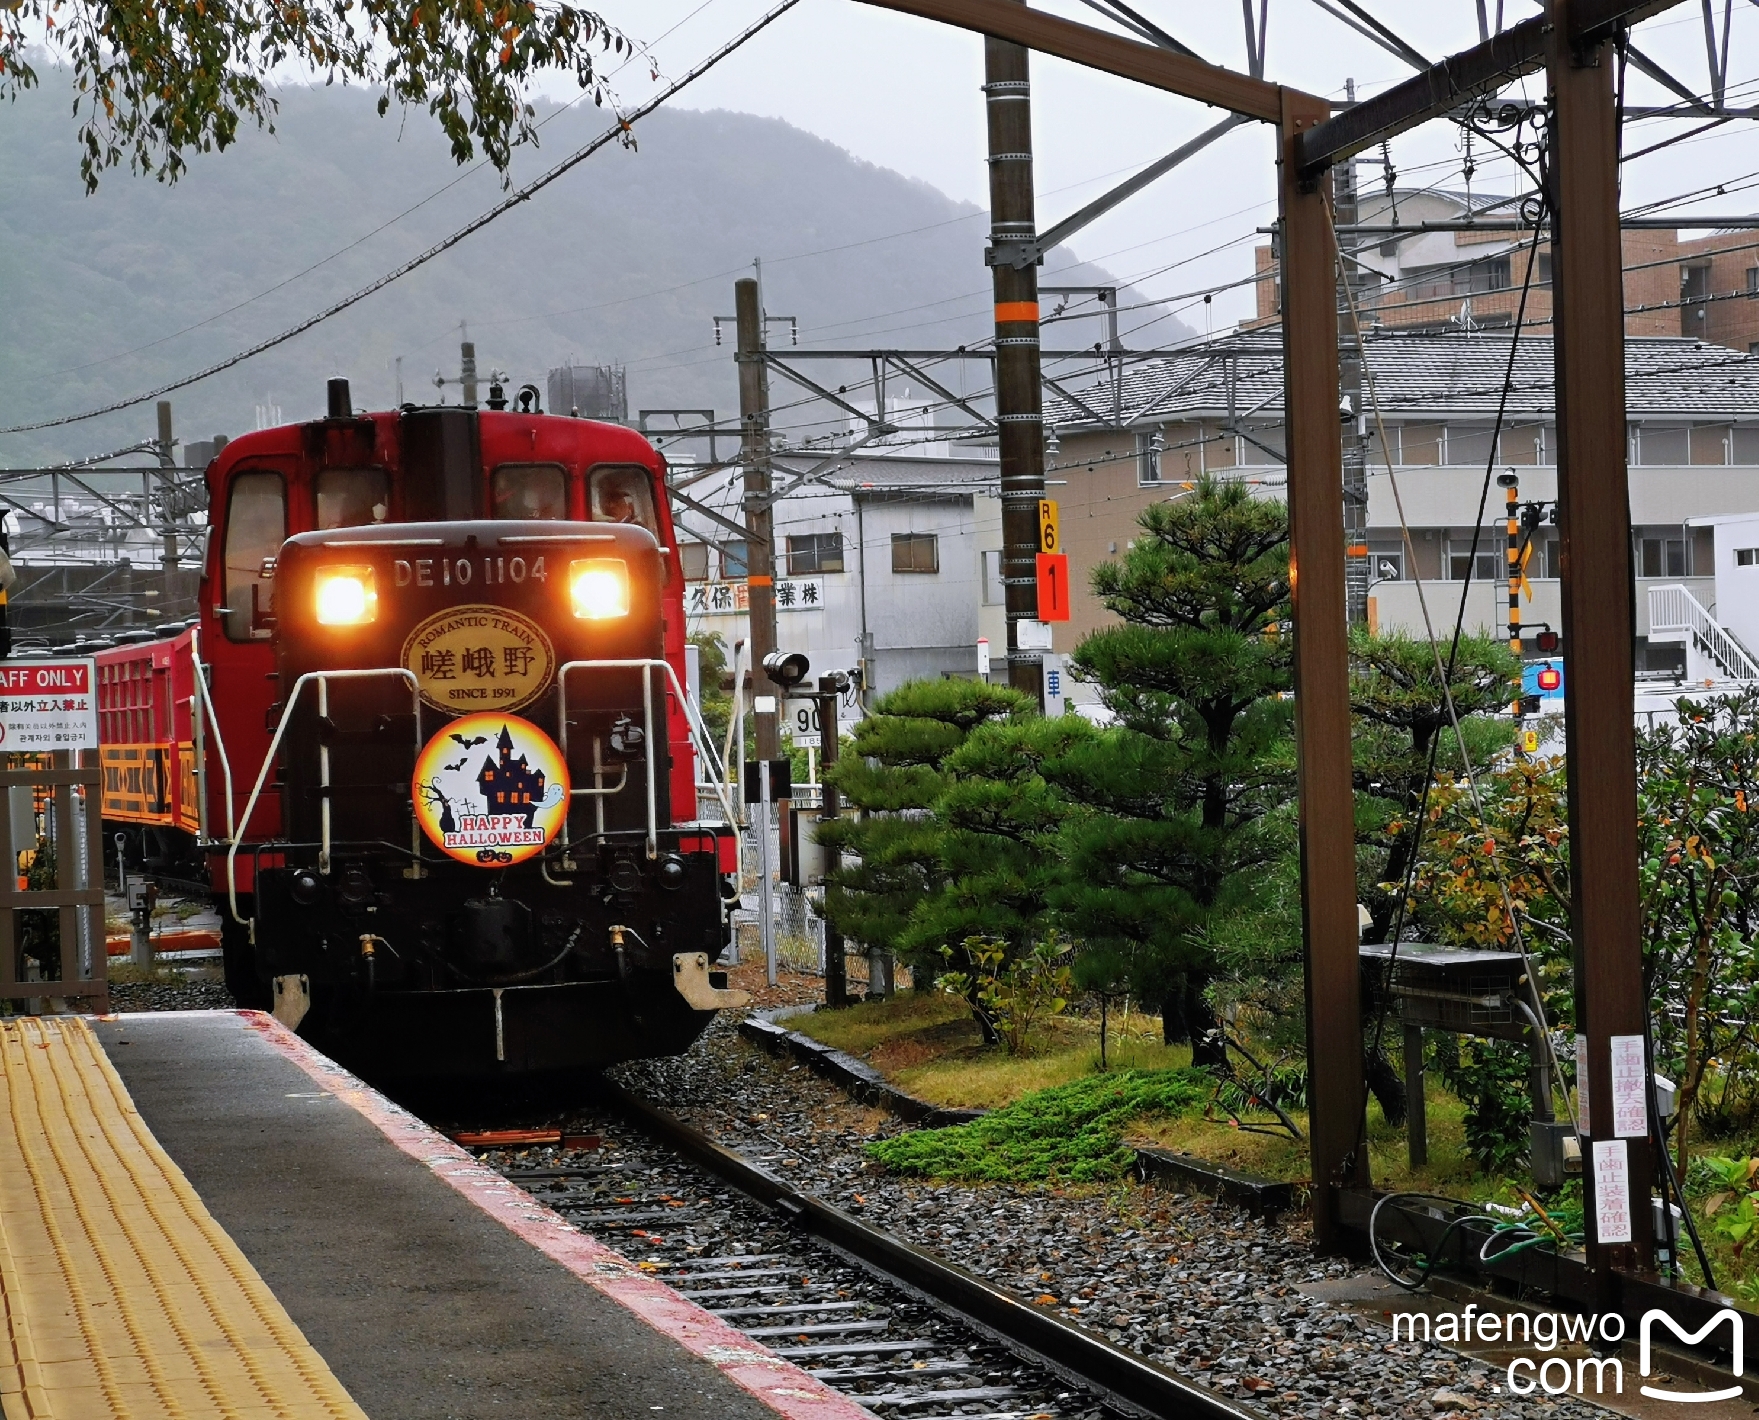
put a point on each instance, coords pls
(1530, 705)
(786, 668)
(1548, 641)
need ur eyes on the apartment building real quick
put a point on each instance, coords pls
(1703, 288)
(1216, 409)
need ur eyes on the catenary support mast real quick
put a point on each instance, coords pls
(1008, 93)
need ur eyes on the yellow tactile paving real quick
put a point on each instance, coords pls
(120, 1296)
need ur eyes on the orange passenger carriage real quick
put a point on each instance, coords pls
(404, 616)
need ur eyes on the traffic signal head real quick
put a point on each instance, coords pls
(1550, 679)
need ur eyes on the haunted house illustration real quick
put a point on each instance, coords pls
(510, 786)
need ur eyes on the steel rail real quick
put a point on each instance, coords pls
(1120, 1378)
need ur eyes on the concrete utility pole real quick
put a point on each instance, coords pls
(829, 694)
(1346, 202)
(1013, 224)
(467, 372)
(168, 461)
(754, 425)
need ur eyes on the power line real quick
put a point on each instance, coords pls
(617, 131)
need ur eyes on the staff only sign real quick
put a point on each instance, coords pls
(491, 790)
(48, 705)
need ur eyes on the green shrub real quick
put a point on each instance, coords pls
(1072, 1133)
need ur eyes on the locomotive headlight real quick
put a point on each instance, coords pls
(600, 588)
(345, 596)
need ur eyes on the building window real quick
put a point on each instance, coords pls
(1661, 557)
(1493, 565)
(995, 590)
(735, 560)
(1753, 280)
(1747, 557)
(1387, 565)
(1149, 447)
(1551, 558)
(1481, 276)
(815, 552)
(1661, 445)
(694, 557)
(916, 552)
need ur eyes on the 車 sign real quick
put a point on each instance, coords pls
(48, 705)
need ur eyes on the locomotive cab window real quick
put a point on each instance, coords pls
(623, 494)
(256, 526)
(530, 490)
(353, 497)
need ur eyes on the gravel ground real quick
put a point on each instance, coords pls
(1196, 1284)
(128, 996)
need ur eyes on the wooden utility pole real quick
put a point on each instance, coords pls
(754, 426)
(1322, 676)
(1007, 92)
(1594, 530)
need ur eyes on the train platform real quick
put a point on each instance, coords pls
(201, 1216)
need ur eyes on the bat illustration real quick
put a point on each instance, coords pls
(459, 765)
(473, 741)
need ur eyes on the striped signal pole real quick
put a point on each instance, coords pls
(1512, 488)
(1007, 92)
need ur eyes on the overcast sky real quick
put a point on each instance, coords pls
(903, 93)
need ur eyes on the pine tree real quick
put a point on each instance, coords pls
(1178, 791)
(893, 772)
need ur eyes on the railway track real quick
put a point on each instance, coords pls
(904, 1333)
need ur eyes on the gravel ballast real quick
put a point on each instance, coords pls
(1196, 1284)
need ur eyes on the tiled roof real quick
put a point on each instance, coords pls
(1419, 377)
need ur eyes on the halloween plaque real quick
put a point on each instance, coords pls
(491, 790)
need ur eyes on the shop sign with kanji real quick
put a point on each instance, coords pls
(734, 598)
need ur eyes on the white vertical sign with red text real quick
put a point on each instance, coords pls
(48, 705)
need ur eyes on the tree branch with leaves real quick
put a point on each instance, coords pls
(157, 80)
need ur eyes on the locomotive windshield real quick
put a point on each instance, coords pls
(530, 490)
(623, 495)
(256, 526)
(353, 497)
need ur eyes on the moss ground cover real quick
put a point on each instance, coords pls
(1073, 1132)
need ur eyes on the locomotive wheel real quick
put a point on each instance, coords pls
(248, 992)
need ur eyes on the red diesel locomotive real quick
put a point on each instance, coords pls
(543, 895)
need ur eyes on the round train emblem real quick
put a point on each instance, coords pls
(491, 790)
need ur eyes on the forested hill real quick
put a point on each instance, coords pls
(627, 258)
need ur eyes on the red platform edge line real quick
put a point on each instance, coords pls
(754, 1368)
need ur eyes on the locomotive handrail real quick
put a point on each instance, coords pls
(207, 702)
(699, 736)
(323, 678)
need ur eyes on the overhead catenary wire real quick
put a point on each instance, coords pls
(617, 131)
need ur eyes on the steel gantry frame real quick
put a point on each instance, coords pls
(1573, 41)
